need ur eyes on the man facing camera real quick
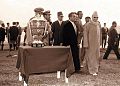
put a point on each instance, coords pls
(57, 28)
(70, 38)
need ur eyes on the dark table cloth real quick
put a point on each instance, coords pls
(44, 60)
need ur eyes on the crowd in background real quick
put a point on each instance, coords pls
(13, 35)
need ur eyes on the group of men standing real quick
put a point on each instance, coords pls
(90, 35)
(13, 34)
(72, 33)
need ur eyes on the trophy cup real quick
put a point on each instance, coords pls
(36, 29)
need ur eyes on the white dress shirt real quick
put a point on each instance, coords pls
(75, 28)
(60, 22)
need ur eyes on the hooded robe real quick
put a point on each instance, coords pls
(92, 44)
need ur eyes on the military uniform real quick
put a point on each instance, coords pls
(37, 29)
(112, 43)
(49, 32)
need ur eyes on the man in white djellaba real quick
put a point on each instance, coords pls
(92, 44)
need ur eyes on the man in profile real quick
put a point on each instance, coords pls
(47, 16)
(70, 38)
(112, 41)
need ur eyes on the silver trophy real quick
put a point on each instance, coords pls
(36, 29)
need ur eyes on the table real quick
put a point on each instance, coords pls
(44, 60)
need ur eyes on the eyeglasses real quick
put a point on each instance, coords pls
(95, 17)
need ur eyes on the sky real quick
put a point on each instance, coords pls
(22, 10)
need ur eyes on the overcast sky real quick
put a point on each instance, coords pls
(22, 10)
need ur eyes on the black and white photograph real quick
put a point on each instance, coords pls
(59, 43)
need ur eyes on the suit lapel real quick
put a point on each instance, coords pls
(58, 23)
(73, 28)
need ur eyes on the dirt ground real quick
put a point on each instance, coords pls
(109, 74)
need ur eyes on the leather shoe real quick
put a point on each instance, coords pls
(118, 58)
(105, 58)
(78, 71)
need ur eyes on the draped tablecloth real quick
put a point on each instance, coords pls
(32, 60)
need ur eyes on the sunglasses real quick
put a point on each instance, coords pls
(95, 17)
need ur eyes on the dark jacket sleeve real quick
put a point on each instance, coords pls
(53, 30)
(113, 37)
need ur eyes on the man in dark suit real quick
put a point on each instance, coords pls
(112, 41)
(2, 35)
(70, 38)
(19, 34)
(104, 35)
(13, 32)
(7, 31)
(56, 28)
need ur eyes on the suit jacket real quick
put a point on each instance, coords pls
(2, 34)
(13, 33)
(7, 30)
(113, 37)
(19, 29)
(69, 35)
(57, 32)
(104, 32)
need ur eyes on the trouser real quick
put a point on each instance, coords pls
(18, 41)
(114, 48)
(2, 44)
(119, 40)
(13, 44)
(104, 41)
(82, 54)
(75, 55)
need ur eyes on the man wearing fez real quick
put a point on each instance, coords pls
(57, 28)
(91, 43)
